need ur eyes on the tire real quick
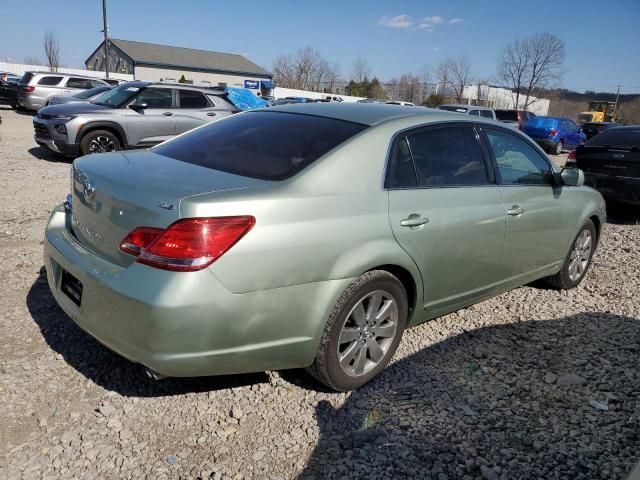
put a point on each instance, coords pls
(569, 275)
(359, 332)
(557, 149)
(99, 141)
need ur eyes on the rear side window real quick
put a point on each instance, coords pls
(510, 115)
(518, 162)
(26, 78)
(266, 145)
(191, 99)
(486, 113)
(628, 137)
(49, 81)
(81, 83)
(474, 112)
(448, 156)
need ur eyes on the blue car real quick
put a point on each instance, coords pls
(555, 134)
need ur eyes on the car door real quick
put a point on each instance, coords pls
(4, 91)
(574, 135)
(150, 117)
(195, 109)
(538, 213)
(446, 211)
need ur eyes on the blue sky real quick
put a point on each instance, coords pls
(601, 38)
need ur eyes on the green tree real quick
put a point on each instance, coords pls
(434, 100)
(182, 79)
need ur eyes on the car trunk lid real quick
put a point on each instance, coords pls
(609, 160)
(117, 192)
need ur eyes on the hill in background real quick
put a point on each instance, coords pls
(567, 103)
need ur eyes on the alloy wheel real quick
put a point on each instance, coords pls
(580, 255)
(102, 144)
(367, 333)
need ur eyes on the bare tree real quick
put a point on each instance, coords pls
(307, 69)
(426, 79)
(454, 74)
(528, 65)
(361, 69)
(31, 60)
(51, 50)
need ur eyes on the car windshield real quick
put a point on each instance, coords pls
(542, 122)
(90, 93)
(508, 115)
(117, 97)
(261, 144)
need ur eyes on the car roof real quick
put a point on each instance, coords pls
(368, 113)
(61, 74)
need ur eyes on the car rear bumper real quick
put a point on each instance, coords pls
(622, 189)
(186, 324)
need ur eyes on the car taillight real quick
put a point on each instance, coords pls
(553, 133)
(186, 245)
(28, 89)
(572, 155)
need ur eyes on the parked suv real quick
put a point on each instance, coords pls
(37, 87)
(8, 93)
(470, 110)
(517, 118)
(134, 115)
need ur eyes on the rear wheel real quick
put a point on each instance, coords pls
(558, 148)
(578, 259)
(362, 333)
(99, 141)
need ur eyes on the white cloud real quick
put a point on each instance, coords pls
(429, 23)
(456, 20)
(399, 21)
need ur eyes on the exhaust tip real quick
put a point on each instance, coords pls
(153, 375)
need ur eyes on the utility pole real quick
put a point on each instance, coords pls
(106, 37)
(615, 107)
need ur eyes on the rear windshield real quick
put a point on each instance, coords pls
(510, 115)
(628, 137)
(26, 78)
(261, 144)
(542, 122)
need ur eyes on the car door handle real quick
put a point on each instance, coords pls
(167, 114)
(211, 114)
(414, 221)
(515, 211)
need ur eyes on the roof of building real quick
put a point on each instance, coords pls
(188, 58)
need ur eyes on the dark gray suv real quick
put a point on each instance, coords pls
(134, 115)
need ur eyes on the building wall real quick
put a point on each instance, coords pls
(118, 63)
(154, 74)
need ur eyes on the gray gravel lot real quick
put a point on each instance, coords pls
(533, 384)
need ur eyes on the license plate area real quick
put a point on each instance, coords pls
(71, 287)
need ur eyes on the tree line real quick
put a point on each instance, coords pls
(526, 66)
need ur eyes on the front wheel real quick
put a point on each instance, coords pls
(362, 333)
(99, 141)
(578, 259)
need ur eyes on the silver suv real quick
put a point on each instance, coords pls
(37, 87)
(134, 115)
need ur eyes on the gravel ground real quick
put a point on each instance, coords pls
(532, 384)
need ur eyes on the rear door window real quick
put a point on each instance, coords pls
(448, 156)
(49, 81)
(261, 144)
(474, 112)
(192, 99)
(518, 162)
(486, 113)
(26, 78)
(627, 137)
(81, 83)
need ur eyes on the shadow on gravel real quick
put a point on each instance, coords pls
(106, 368)
(44, 154)
(492, 404)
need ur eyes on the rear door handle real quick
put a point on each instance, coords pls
(211, 114)
(515, 211)
(414, 221)
(167, 114)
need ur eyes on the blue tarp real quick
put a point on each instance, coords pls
(244, 99)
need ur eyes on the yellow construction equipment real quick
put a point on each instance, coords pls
(599, 111)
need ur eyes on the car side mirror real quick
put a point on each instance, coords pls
(138, 106)
(572, 177)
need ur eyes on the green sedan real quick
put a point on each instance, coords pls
(310, 236)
